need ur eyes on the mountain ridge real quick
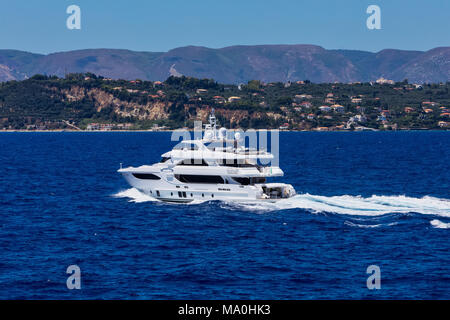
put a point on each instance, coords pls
(236, 64)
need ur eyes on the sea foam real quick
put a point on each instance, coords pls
(345, 204)
(439, 224)
(370, 206)
(134, 195)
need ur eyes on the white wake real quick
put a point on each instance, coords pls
(439, 224)
(134, 195)
(346, 204)
(371, 206)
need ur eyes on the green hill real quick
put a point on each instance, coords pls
(44, 102)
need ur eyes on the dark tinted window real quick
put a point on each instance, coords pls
(189, 178)
(235, 163)
(193, 162)
(146, 176)
(259, 180)
(247, 181)
(243, 181)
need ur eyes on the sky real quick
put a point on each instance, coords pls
(149, 25)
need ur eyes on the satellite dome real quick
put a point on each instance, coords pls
(222, 133)
(208, 135)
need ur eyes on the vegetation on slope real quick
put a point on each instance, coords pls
(49, 102)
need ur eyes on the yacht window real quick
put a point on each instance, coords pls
(235, 163)
(157, 193)
(164, 159)
(190, 178)
(247, 181)
(193, 162)
(258, 180)
(146, 176)
(242, 181)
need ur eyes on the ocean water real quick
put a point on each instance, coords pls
(364, 198)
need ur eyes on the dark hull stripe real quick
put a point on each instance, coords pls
(175, 200)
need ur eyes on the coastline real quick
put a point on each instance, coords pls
(172, 130)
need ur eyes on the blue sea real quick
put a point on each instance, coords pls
(364, 198)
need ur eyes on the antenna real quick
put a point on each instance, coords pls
(213, 123)
(212, 118)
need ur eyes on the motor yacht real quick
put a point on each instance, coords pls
(212, 167)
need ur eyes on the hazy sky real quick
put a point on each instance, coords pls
(149, 25)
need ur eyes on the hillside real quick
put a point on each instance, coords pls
(88, 101)
(236, 64)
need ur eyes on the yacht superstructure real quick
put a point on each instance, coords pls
(210, 169)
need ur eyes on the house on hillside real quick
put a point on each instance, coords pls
(219, 99)
(325, 108)
(300, 97)
(306, 104)
(338, 108)
(384, 81)
(232, 99)
(360, 118)
(284, 126)
(430, 104)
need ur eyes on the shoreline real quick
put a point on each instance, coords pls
(172, 130)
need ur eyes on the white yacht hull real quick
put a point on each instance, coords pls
(171, 190)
